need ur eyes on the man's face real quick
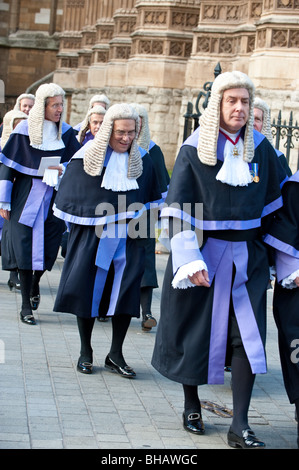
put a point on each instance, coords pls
(54, 108)
(123, 134)
(258, 119)
(95, 123)
(234, 109)
(26, 104)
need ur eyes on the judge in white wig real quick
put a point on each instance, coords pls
(224, 183)
(107, 185)
(10, 120)
(262, 123)
(31, 234)
(91, 124)
(95, 100)
(149, 279)
(24, 102)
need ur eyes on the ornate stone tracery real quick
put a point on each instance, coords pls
(174, 45)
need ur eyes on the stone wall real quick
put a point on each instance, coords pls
(29, 42)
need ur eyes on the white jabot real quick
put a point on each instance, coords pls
(234, 171)
(115, 177)
(50, 141)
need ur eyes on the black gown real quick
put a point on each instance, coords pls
(31, 238)
(191, 340)
(283, 235)
(102, 273)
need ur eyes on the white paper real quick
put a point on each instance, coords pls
(45, 163)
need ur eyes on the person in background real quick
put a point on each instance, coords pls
(25, 102)
(283, 237)
(224, 187)
(91, 124)
(10, 121)
(31, 234)
(104, 262)
(149, 279)
(262, 123)
(95, 100)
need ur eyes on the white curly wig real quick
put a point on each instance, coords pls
(209, 121)
(85, 123)
(28, 96)
(95, 154)
(144, 137)
(37, 113)
(8, 123)
(266, 128)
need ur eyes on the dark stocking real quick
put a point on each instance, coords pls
(146, 294)
(13, 276)
(242, 385)
(25, 284)
(35, 282)
(85, 326)
(120, 325)
(192, 402)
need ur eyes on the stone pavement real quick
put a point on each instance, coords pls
(46, 404)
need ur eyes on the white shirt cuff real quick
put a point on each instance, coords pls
(181, 281)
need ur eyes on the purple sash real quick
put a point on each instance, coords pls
(231, 253)
(110, 248)
(34, 215)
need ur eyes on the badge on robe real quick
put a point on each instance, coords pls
(253, 168)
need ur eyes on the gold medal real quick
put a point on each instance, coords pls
(256, 179)
(235, 152)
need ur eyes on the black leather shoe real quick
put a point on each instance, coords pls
(84, 367)
(148, 322)
(11, 284)
(34, 301)
(29, 319)
(247, 441)
(193, 423)
(125, 371)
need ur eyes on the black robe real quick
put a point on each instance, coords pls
(104, 263)
(283, 235)
(31, 238)
(191, 340)
(149, 278)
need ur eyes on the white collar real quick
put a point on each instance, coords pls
(115, 177)
(50, 140)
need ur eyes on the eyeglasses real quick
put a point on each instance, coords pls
(120, 134)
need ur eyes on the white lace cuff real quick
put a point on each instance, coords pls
(288, 282)
(181, 281)
(51, 177)
(5, 206)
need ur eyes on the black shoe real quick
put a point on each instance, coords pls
(125, 371)
(247, 441)
(34, 301)
(84, 367)
(193, 423)
(148, 322)
(13, 284)
(29, 319)
(102, 319)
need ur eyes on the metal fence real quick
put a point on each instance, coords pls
(285, 134)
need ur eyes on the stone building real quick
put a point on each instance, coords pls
(161, 53)
(29, 43)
